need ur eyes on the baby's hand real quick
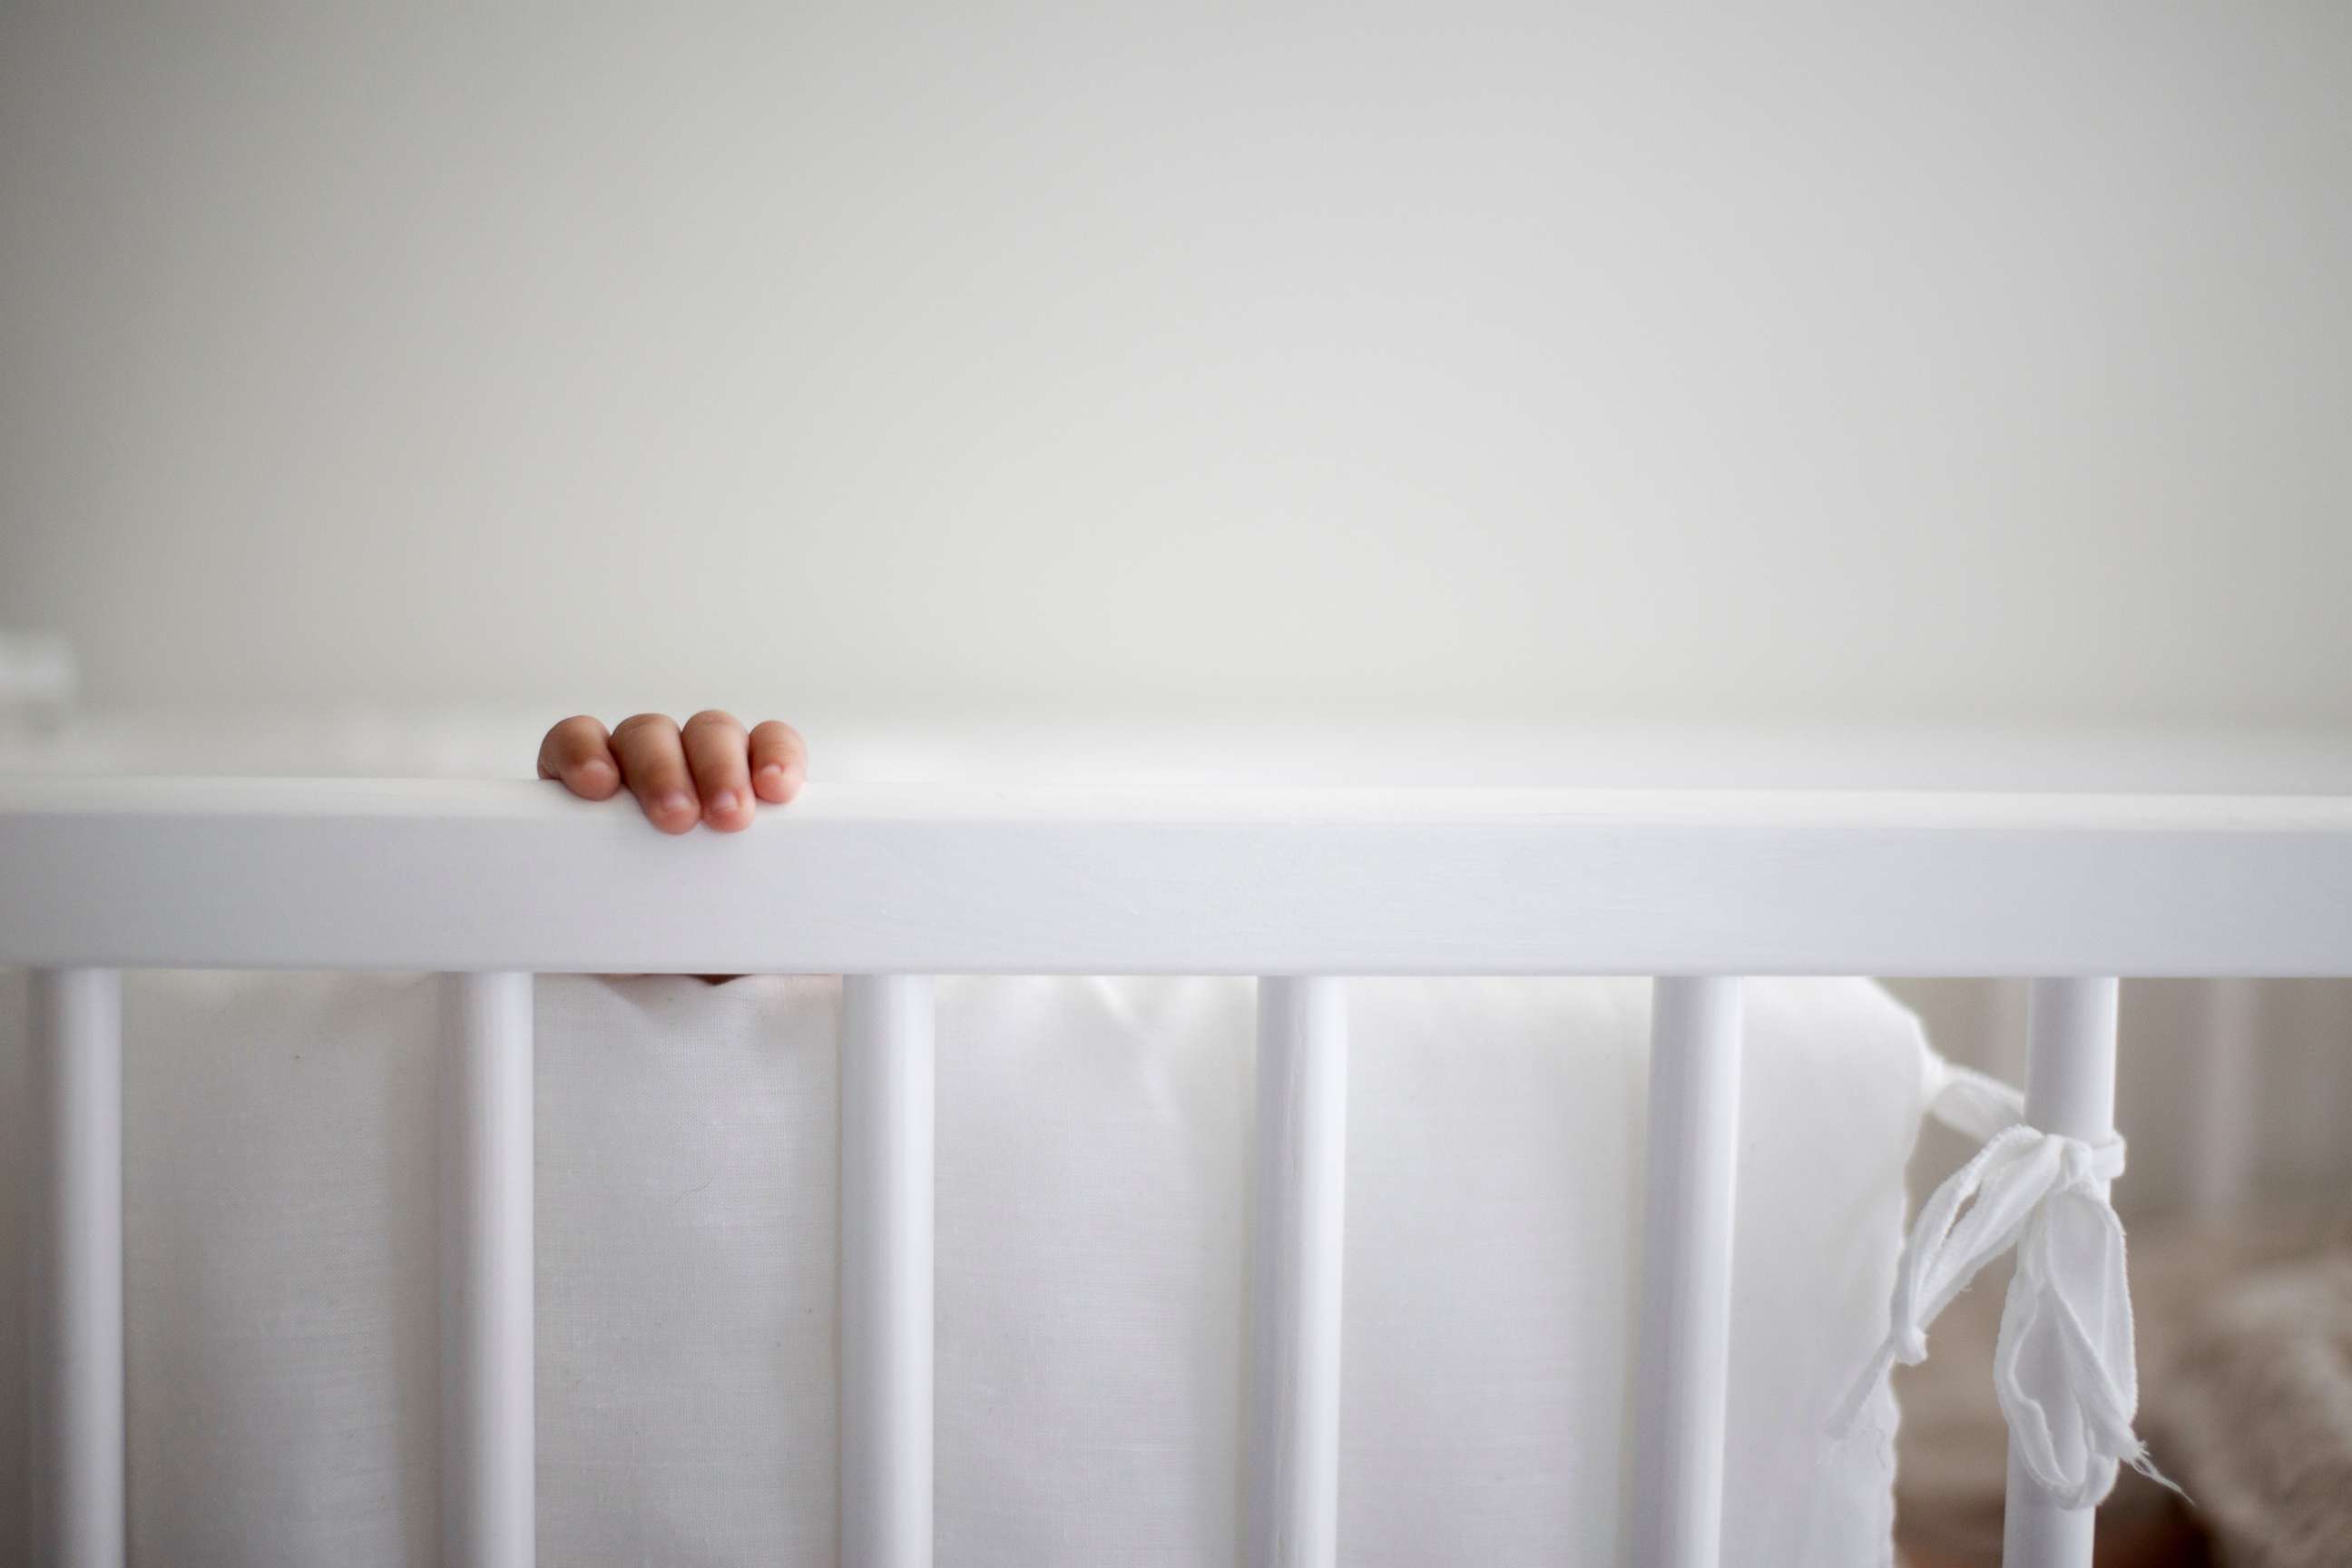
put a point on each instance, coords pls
(708, 772)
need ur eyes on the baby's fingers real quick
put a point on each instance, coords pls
(715, 750)
(576, 752)
(653, 762)
(779, 761)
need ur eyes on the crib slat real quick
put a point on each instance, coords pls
(1683, 1374)
(76, 1452)
(1295, 1250)
(489, 1442)
(2225, 1078)
(2070, 1088)
(887, 1064)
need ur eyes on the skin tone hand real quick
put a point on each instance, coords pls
(709, 771)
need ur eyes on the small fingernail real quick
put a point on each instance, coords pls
(723, 801)
(596, 772)
(675, 802)
(772, 771)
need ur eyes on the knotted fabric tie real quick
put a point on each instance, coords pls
(2064, 1365)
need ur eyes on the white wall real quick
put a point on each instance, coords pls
(1935, 363)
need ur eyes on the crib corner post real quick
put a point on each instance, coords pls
(2070, 1088)
(1683, 1375)
(77, 1452)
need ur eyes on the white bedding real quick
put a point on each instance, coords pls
(1093, 1173)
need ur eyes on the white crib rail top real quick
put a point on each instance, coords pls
(1212, 878)
(500, 743)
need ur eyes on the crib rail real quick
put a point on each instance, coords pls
(492, 881)
(359, 874)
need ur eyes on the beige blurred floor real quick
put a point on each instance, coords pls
(1952, 1451)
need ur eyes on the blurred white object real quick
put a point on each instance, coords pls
(38, 677)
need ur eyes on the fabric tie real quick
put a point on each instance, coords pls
(2064, 1365)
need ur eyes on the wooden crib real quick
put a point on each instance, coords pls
(889, 884)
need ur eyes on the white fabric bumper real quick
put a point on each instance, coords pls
(1093, 1170)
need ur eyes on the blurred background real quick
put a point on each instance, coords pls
(1805, 369)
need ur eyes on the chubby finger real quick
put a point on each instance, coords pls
(779, 761)
(717, 754)
(652, 764)
(578, 752)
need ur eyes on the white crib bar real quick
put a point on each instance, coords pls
(887, 1076)
(2225, 1078)
(1684, 1370)
(2070, 1088)
(488, 1441)
(1297, 1245)
(77, 1451)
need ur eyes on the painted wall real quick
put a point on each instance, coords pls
(1842, 365)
